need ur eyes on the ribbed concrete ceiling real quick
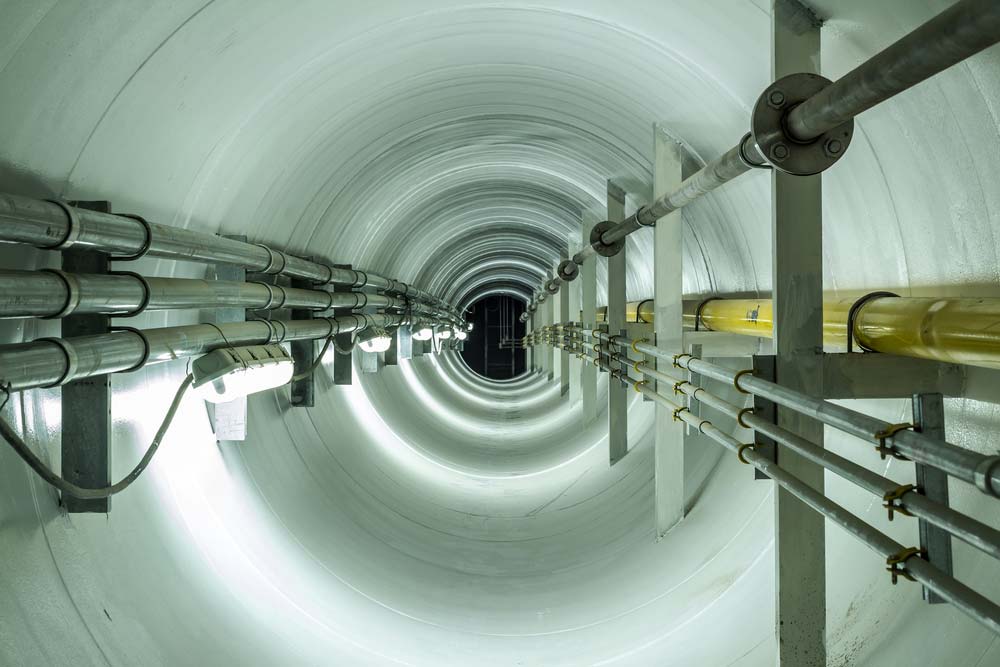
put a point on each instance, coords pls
(424, 516)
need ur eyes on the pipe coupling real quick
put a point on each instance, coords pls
(770, 133)
(72, 286)
(983, 475)
(275, 260)
(68, 239)
(72, 361)
(568, 270)
(600, 247)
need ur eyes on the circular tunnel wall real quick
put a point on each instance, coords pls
(425, 515)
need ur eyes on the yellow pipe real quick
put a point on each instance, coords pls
(955, 330)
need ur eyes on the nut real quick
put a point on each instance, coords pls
(779, 152)
(776, 99)
(833, 148)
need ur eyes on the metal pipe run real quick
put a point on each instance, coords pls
(976, 534)
(57, 226)
(953, 330)
(972, 467)
(950, 589)
(959, 32)
(52, 294)
(50, 362)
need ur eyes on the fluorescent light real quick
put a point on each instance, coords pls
(228, 373)
(376, 344)
(444, 334)
(424, 333)
(461, 335)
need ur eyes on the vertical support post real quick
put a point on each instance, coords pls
(928, 418)
(564, 319)
(229, 419)
(797, 238)
(615, 319)
(343, 362)
(550, 351)
(668, 325)
(763, 367)
(588, 294)
(303, 394)
(391, 356)
(405, 341)
(86, 403)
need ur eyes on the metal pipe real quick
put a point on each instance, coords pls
(976, 534)
(952, 330)
(972, 467)
(49, 362)
(950, 589)
(57, 226)
(52, 294)
(961, 31)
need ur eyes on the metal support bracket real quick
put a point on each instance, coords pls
(343, 359)
(764, 368)
(86, 403)
(303, 392)
(928, 418)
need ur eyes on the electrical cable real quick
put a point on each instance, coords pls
(315, 364)
(67, 487)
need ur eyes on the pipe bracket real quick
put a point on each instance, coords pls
(775, 143)
(147, 240)
(72, 361)
(68, 239)
(146, 349)
(72, 293)
(983, 475)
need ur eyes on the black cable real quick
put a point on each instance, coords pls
(315, 364)
(68, 487)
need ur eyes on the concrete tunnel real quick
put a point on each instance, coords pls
(425, 514)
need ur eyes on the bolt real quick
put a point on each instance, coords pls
(832, 148)
(779, 152)
(776, 99)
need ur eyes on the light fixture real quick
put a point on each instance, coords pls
(423, 333)
(231, 372)
(461, 335)
(379, 343)
(444, 334)
(377, 340)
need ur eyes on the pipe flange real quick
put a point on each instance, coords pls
(552, 286)
(767, 125)
(600, 247)
(68, 239)
(983, 475)
(72, 361)
(146, 349)
(568, 270)
(147, 240)
(72, 293)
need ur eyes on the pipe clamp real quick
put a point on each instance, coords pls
(72, 229)
(69, 354)
(72, 293)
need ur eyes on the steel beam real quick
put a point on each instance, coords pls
(928, 418)
(564, 312)
(588, 293)
(797, 279)
(303, 391)
(668, 272)
(86, 403)
(343, 362)
(617, 393)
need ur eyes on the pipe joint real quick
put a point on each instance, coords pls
(68, 239)
(568, 270)
(70, 357)
(778, 146)
(275, 260)
(72, 286)
(984, 473)
(597, 242)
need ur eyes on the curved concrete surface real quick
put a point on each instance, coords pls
(425, 516)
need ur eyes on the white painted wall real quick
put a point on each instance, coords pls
(422, 517)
